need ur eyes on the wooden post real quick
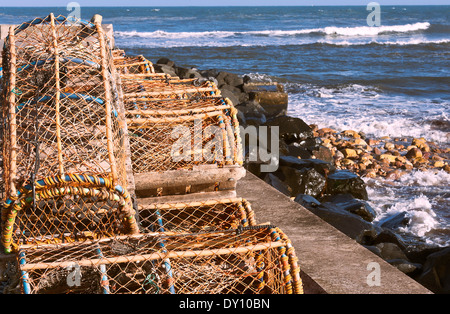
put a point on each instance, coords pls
(12, 111)
(97, 19)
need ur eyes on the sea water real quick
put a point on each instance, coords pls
(386, 80)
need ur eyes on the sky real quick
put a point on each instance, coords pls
(162, 3)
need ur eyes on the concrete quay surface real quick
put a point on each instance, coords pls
(330, 261)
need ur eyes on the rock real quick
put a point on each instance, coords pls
(391, 251)
(240, 96)
(344, 181)
(395, 221)
(221, 78)
(373, 249)
(209, 73)
(372, 142)
(291, 129)
(360, 142)
(323, 153)
(389, 146)
(351, 133)
(350, 224)
(296, 150)
(277, 183)
(324, 131)
(436, 272)
(321, 166)
(377, 151)
(388, 157)
(304, 181)
(163, 68)
(185, 73)
(386, 235)
(231, 96)
(349, 153)
(352, 205)
(254, 114)
(271, 96)
(421, 143)
(405, 266)
(165, 61)
(438, 164)
(339, 155)
(413, 153)
(306, 200)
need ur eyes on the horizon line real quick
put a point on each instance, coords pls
(235, 5)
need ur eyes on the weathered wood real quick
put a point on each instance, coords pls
(194, 197)
(196, 176)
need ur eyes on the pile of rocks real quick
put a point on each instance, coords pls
(383, 157)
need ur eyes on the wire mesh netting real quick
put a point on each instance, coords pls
(178, 123)
(256, 260)
(62, 123)
(200, 216)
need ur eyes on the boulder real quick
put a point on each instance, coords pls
(209, 73)
(231, 96)
(395, 221)
(185, 73)
(351, 204)
(405, 266)
(304, 181)
(414, 153)
(297, 151)
(277, 183)
(165, 61)
(254, 114)
(436, 272)
(271, 97)
(323, 153)
(163, 68)
(343, 182)
(227, 78)
(350, 224)
(390, 250)
(320, 166)
(240, 96)
(291, 129)
(306, 200)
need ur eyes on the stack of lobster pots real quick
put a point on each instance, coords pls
(118, 179)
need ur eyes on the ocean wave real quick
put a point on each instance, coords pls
(412, 42)
(365, 108)
(372, 31)
(330, 30)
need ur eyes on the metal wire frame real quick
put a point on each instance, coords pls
(196, 216)
(254, 260)
(61, 113)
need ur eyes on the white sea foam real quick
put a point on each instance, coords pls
(177, 35)
(373, 31)
(366, 109)
(421, 197)
(331, 30)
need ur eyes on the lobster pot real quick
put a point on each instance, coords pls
(132, 65)
(187, 133)
(201, 216)
(253, 261)
(62, 111)
(66, 209)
